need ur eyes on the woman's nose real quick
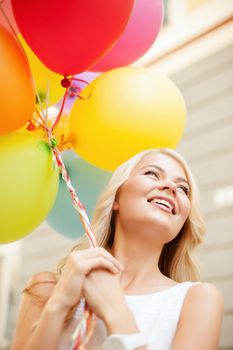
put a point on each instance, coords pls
(169, 186)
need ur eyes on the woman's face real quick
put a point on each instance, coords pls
(155, 198)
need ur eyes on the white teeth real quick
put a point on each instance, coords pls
(162, 201)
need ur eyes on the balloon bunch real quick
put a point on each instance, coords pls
(105, 118)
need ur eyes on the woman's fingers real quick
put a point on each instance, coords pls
(96, 262)
(103, 252)
(102, 262)
(85, 259)
(78, 266)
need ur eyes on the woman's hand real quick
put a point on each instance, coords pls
(68, 290)
(103, 292)
(105, 297)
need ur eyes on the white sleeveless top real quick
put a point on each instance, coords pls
(156, 314)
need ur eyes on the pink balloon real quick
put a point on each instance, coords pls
(140, 33)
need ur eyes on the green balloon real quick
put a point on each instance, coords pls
(88, 182)
(28, 184)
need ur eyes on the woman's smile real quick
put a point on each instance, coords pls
(161, 206)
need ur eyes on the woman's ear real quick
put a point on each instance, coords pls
(115, 204)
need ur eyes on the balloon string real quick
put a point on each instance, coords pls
(81, 80)
(85, 327)
(9, 22)
(89, 321)
(61, 110)
(7, 19)
(76, 202)
(77, 94)
(65, 98)
(40, 117)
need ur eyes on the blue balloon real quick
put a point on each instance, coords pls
(88, 182)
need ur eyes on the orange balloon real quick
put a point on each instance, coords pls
(16, 89)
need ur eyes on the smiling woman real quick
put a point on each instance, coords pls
(142, 283)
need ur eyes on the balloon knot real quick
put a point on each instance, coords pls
(30, 126)
(74, 91)
(65, 82)
(53, 142)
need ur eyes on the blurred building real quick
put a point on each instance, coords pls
(195, 48)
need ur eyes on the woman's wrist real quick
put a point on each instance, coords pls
(56, 305)
(120, 320)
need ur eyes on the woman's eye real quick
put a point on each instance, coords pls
(184, 189)
(152, 172)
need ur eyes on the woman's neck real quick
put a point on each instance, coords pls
(140, 262)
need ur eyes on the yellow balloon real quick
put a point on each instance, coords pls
(44, 78)
(130, 109)
(28, 184)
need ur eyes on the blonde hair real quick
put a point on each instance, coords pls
(176, 260)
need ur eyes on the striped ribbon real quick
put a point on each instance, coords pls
(85, 327)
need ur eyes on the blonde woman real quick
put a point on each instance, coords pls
(142, 283)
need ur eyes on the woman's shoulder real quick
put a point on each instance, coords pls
(41, 284)
(198, 289)
(202, 296)
(204, 290)
(43, 276)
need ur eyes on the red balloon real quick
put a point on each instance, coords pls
(140, 33)
(69, 36)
